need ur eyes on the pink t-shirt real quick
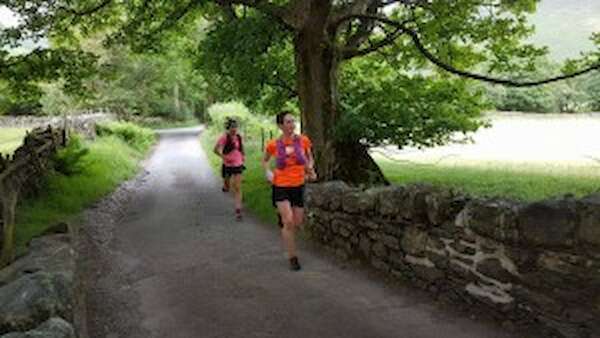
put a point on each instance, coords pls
(235, 158)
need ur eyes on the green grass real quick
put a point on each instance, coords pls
(523, 182)
(109, 162)
(255, 189)
(11, 139)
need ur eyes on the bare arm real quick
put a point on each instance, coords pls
(265, 164)
(218, 149)
(265, 161)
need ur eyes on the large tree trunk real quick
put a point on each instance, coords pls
(316, 65)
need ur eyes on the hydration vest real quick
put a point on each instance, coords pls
(230, 146)
(282, 156)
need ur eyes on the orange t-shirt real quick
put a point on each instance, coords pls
(293, 173)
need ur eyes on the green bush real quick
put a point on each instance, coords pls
(137, 137)
(251, 125)
(535, 100)
(68, 161)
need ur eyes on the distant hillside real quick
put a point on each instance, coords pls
(566, 25)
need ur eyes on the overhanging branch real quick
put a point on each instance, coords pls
(278, 12)
(401, 26)
(415, 37)
(388, 40)
(87, 11)
(171, 20)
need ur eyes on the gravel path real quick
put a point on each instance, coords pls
(163, 257)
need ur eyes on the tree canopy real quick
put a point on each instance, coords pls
(360, 72)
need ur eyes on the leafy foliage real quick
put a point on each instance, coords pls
(250, 124)
(386, 106)
(569, 96)
(68, 161)
(250, 59)
(137, 137)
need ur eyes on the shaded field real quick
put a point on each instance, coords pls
(525, 182)
(521, 156)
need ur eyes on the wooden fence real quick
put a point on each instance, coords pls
(21, 172)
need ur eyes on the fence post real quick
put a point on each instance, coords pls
(9, 203)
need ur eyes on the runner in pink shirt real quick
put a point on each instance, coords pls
(231, 150)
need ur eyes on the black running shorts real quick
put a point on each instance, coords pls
(230, 171)
(295, 195)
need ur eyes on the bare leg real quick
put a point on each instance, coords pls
(226, 183)
(288, 231)
(236, 186)
(298, 215)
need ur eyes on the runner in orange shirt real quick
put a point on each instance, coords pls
(294, 161)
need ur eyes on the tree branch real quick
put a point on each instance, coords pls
(279, 82)
(365, 27)
(174, 17)
(489, 79)
(280, 13)
(37, 52)
(88, 11)
(433, 59)
(388, 40)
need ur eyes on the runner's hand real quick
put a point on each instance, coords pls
(269, 175)
(311, 174)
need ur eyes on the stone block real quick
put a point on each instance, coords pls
(443, 206)
(52, 328)
(589, 229)
(548, 223)
(34, 298)
(365, 245)
(380, 264)
(493, 268)
(359, 202)
(415, 241)
(496, 219)
(428, 273)
(379, 249)
(391, 242)
(390, 199)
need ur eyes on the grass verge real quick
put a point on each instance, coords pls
(110, 161)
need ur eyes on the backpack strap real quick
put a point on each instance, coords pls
(298, 150)
(282, 156)
(230, 145)
(240, 144)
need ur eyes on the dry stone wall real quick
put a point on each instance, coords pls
(84, 124)
(528, 263)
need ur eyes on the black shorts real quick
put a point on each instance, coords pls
(295, 195)
(227, 172)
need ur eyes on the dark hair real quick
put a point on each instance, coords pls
(230, 123)
(281, 115)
